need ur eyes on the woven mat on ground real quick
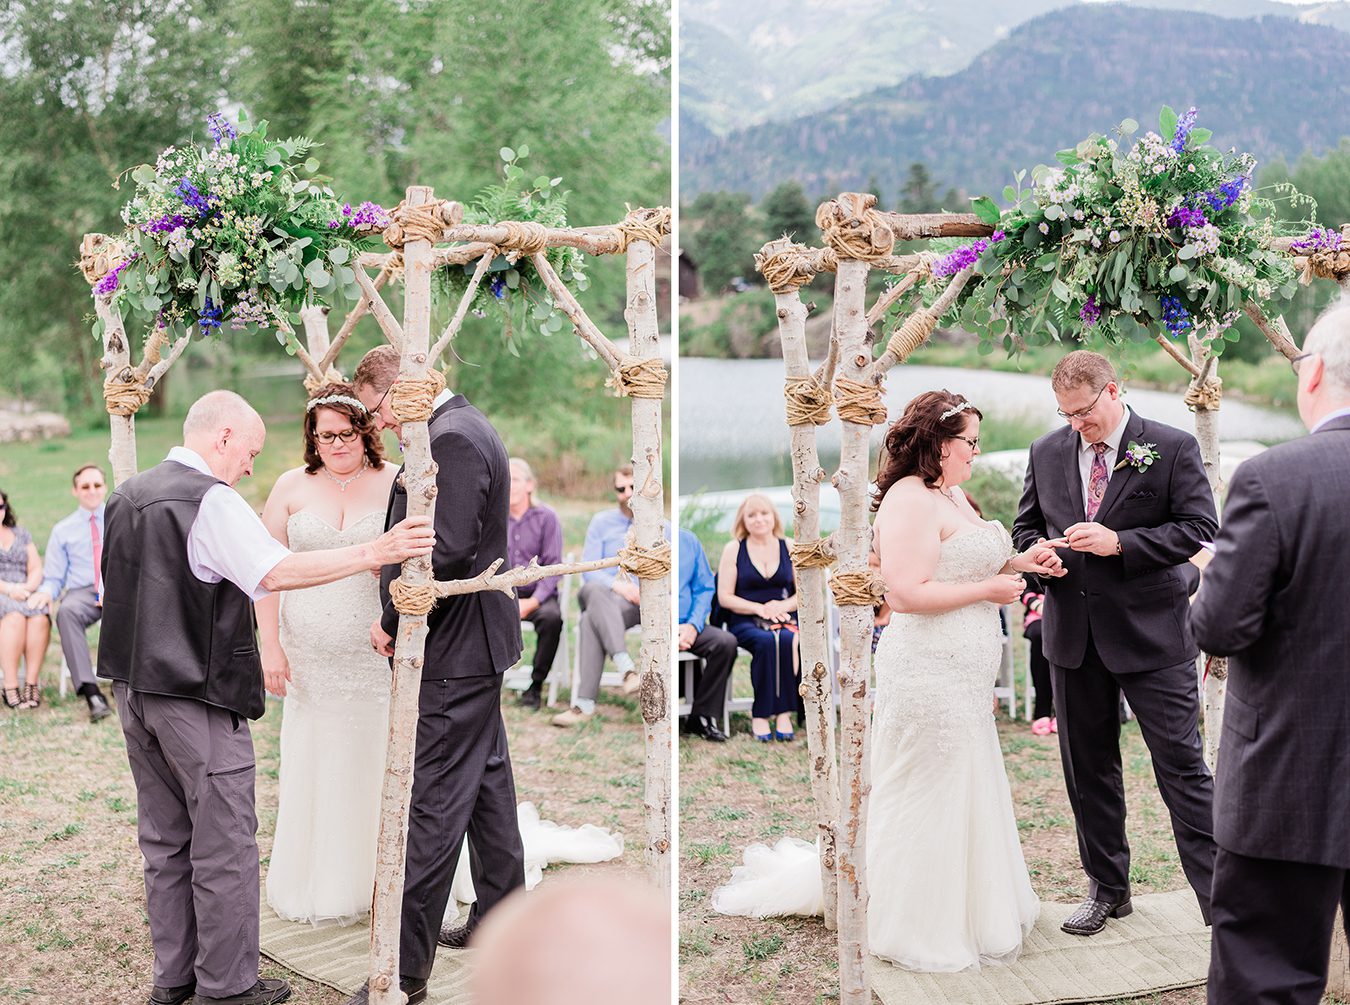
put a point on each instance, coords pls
(1162, 945)
(340, 958)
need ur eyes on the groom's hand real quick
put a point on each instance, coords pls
(1093, 538)
(1041, 559)
(380, 640)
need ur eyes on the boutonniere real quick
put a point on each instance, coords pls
(1138, 456)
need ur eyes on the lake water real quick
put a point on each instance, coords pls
(732, 433)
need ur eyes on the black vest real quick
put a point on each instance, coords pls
(164, 630)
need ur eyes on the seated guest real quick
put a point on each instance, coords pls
(716, 647)
(758, 591)
(73, 578)
(609, 605)
(1044, 714)
(534, 531)
(24, 627)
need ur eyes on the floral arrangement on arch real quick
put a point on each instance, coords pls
(240, 233)
(1122, 239)
(513, 289)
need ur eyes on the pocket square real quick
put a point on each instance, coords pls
(1142, 494)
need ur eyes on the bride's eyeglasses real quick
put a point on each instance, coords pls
(345, 435)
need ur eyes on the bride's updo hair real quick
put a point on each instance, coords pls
(913, 445)
(330, 396)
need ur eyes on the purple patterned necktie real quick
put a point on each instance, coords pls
(1097, 479)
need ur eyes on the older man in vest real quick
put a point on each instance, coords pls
(184, 558)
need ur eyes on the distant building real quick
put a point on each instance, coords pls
(690, 288)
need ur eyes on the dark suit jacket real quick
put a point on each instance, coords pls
(1132, 604)
(476, 633)
(1274, 601)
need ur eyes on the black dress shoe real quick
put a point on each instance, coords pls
(267, 991)
(171, 996)
(529, 698)
(98, 709)
(415, 990)
(706, 727)
(1090, 918)
(454, 937)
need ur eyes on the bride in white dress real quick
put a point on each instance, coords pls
(948, 885)
(316, 653)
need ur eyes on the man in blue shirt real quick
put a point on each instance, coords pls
(715, 646)
(71, 575)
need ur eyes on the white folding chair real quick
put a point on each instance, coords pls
(689, 666)
(1005, 689)
(518, 677)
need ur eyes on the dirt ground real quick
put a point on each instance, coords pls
(73, 926)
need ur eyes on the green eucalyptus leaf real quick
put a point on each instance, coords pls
(339, 255)
(144, 174)
(1167, 122)
(1178, 274)
(506, 154)
(1128, 127)
(311, 165)
(1068, 157)
(986, 209)
(1200, 136)
(524, 151)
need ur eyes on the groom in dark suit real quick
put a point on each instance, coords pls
(1131, 498)
(462, 780)
(1273, 600)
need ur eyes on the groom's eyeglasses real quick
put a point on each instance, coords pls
(1293, 363)
(1081, 413)
(346, 436)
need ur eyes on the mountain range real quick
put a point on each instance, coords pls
(1271, 85)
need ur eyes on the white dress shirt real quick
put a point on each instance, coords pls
(1328, 417)
(1086, 453)
(228, 540)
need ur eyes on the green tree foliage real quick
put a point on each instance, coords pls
(786, 211)
(721, 238)
(918, 194)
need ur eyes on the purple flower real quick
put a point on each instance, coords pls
(1227, 194)
(1175, 316)
(209, 317)
(1318, 239)
(219, 127)
(193, 199)
(1091, 312)
(108, 284)
(1183, 131)
(1185, 216)
(965, 256)
(367, 216)
(498, 287)
(164, 224)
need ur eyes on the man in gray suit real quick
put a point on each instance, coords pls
(1273, 601)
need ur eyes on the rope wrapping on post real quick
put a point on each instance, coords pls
(916, 330)
(858, 589)
(414, 601)
(642, 224)
(527, 237)
(807, 400)
(1326, 263)
(638, 378)
(421, 223)
(410, 398)
(99, 255)
(331, 376)
(818, 554)
(853, 227)
(859, 402)
(1204, 396)
(125, 395)
(788, 267)
(644, 562)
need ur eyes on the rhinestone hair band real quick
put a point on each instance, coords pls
(952, 411)
(335, 399)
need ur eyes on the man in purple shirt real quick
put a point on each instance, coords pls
(534, 531)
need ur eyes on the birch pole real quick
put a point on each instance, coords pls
(654, 592)
(786, 267)
(419, 475)
(117, 360)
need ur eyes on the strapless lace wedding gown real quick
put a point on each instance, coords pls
(948, 886)
(333, 736)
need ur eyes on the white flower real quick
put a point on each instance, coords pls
(1044, 228)
(1190, 168)
(1078, 214)
(1096, 242)
(1114, 236)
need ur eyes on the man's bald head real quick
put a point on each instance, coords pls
(592, 942)
(227, 432)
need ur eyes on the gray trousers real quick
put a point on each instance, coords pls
(76, 612)
(194, 771)
(605, 616)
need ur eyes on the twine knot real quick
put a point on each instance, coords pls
(1326, 263)
(124, 395)
(99, 255)
(808, 400)
(859, 402)
(786, 266)
(414, 600)
(916, 330)
(644, 562)
(313, 383)
(1204, 396)
(858, 589)
(410, 398)
(854, 228)
(818, 554)
(529, 237)
(639, 378)
(643, 224)
(421, 223)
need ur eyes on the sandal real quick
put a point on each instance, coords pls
(12, 698)
(32, 696)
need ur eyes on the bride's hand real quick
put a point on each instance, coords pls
(1041, 559)
(1005, 588)
(276, 672)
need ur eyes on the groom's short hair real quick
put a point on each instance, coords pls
(378, 369)
(1330, 339)
(1082, 366)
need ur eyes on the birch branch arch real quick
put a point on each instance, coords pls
(426, 233)
(859, 238)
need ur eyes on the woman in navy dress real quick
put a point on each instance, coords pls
(758, 592)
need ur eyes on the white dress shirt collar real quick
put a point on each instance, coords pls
(1112, 439)
(190, 458)
(1328, 417)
